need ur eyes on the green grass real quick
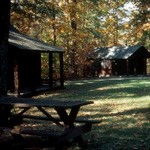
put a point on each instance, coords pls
(123, 105)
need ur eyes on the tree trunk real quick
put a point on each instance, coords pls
(74, 41)
(4, 35)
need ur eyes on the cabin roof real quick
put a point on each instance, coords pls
(118, 52)
(25, 42)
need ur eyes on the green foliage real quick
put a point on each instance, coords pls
(45, 65)
(78, 27)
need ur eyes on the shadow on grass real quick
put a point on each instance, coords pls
(121, 139)
(136, 111)
(101, 89)
(127, 130)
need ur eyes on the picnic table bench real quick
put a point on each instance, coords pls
(70, 131)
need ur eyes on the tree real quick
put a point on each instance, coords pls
(141, 22)
(80, 26)
(4, 34)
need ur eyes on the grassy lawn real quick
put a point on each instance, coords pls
(123, 105)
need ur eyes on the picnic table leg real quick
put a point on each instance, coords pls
(49, 116)
(81, 142)
(73, 135)
(5, 112)
(69, 119)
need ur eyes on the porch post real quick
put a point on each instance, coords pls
(50, 70)
(61, 70)
(127, 62)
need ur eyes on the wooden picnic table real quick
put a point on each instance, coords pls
(66, 119)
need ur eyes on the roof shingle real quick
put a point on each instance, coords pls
(23, 41)
(116, 52)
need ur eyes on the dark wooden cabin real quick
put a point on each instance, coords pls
(24, 63)
(128, 60)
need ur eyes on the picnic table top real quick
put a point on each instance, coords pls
(42, 102)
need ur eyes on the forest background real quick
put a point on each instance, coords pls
(79, 26)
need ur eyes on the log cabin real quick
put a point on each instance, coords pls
(24, 63)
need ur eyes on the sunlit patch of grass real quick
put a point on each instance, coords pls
(123, 105)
